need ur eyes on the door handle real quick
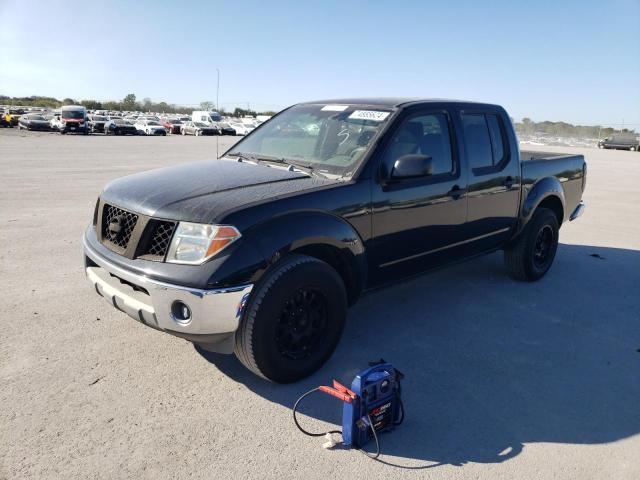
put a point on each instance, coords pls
(456, 192)
(509, 182)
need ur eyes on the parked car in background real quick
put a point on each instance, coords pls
(33, 121)
(622, 141)
(206, 117)
(198, 128)
(226, 129)
(172, 125)
(149, 127)
(73, 119)
(12, 115)
(97, 123)
(119, 126)
(55, 122)
(241, 128)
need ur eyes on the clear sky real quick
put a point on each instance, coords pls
(577, 61)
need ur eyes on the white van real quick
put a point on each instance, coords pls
(73, 118)
(206, 117)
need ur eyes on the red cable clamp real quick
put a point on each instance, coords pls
(339, 391)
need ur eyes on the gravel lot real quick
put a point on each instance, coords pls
(503, 379)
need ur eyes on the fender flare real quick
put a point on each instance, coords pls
(542, 190)
(315, 233)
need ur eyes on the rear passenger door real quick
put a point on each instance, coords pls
(494, 178)
(416, 221)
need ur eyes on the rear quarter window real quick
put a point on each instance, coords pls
(484, 139)
(477, 140)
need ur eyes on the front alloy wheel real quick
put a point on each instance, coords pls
(301, 323)
(293, 319)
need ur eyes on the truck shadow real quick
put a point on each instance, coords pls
(492, 364)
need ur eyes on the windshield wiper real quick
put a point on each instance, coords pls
(243, 156)
(276, 160)
(301, 166)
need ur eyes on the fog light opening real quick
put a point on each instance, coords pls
(181, 312)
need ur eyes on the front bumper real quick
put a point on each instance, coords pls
(215, 314)
(74, 127)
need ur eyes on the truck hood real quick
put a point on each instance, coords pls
(205, 191)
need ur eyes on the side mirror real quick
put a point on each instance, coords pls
(412, 166)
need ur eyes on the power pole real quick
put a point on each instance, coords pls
(218, 92)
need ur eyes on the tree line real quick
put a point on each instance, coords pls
(563, 129)
(129, 104)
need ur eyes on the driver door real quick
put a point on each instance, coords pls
(417, 221)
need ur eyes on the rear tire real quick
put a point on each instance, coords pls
(532, 254)
(293, 321)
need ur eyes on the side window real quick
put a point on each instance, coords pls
(426, 135)
(484, 139)
(477, 140)
(496, 138)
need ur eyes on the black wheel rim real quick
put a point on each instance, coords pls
(542, 248)
(302, 323)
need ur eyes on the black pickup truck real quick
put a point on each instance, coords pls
(262, 251)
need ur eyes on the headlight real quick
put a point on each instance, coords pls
(195, 243)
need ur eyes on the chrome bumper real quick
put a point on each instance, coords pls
(215, 314)
(578, 211)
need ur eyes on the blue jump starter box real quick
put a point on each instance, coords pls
(372, 403)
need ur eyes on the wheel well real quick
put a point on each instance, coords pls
(338, 262)
(554, 204)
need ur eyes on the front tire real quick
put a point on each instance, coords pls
(532, 254)
(293, 321)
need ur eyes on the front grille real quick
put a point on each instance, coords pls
(151, 239)
(117, 226)
(160, 238)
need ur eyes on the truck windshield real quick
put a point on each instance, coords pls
(329, 138)
(75, 114)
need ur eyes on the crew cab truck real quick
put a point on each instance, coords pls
(261, 252)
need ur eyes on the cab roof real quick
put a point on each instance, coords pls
(390, 102)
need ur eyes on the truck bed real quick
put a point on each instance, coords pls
(569, 169)
(527, 155)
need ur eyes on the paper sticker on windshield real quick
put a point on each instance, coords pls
(335, 108)
(372, 115)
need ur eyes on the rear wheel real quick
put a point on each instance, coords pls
(532, 254)
(293, 321)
